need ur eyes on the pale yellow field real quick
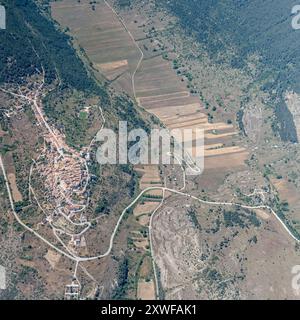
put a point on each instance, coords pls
(146, 290)
(52, 257)
(146, 207)
(223, 151)
(226, 161)
(112, 69)
(150, 178)
(287, 192)
(17, 196)
(262, 214)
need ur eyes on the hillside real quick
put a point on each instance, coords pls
(50, 102)
(32, 40)
(233, 30)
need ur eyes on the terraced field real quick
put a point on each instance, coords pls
(158, 88)
(96, 29)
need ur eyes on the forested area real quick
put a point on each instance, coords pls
(232, 30)
(32, 40)
(249, 26)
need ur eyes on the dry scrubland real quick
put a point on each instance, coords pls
(201, 255)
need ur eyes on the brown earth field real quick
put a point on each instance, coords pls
(106, 43)
(158, 88)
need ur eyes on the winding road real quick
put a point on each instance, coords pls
(77, 259)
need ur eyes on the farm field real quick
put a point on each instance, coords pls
(106, 43)
(158, 88)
